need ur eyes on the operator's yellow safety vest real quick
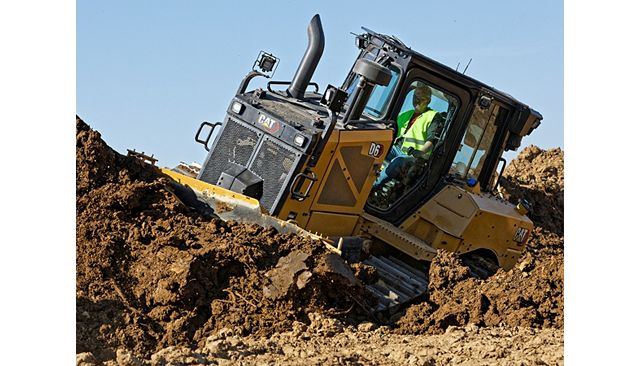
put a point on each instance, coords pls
(416, 135)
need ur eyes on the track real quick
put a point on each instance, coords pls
(479, 266)
(398, 282)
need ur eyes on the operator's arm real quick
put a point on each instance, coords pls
(427, 147)
(423, 149)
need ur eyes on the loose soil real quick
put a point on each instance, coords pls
(159, 283)
(529, 295)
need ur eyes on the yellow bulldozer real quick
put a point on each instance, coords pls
(319, 164)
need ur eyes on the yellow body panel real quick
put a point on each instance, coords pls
(345, 173)
(302, 209)
(331, 224)
(459, 220)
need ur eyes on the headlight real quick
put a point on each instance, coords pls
(237, 107)
(328, 95)
(299, 140)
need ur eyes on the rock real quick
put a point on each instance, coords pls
(526, 263)
(85, 359)
(215, 346)
(303, 279)
(299, 327)
(223, 333)
(177, 356)
(471, 328)
(453, 329)
(284, 275)
(324, 325)
(235, 341)
(288, 350)
(125, 358)
(367, 327)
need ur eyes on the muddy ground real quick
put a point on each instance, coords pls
(158, 283)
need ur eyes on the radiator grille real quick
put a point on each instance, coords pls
(236, 143)
(274, 163)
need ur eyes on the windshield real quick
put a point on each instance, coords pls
(380, 96)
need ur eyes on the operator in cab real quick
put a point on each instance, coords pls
(416, 137)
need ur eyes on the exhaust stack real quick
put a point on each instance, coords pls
(310, 59)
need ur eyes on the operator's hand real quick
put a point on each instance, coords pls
(419, 154)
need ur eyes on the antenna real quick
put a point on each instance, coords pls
(457, 66)
(465, 69)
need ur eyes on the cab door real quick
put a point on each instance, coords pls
(412, 185)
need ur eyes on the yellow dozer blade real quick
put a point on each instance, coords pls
(229, 205)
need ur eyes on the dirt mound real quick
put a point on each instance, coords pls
(537, 176)
(530, 294)
(152, 273)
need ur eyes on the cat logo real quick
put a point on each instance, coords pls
(269, 124)
(521, 235)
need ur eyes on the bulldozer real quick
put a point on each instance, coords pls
(288, 156)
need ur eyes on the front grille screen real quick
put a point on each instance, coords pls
(273, 163)
(236, 144)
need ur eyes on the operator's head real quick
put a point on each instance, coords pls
(421, 98)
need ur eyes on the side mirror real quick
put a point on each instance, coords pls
(372, 72)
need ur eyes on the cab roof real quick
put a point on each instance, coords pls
(394, 44)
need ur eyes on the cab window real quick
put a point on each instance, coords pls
(476, 143)
(380, 96)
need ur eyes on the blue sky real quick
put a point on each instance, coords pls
(147, 73)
